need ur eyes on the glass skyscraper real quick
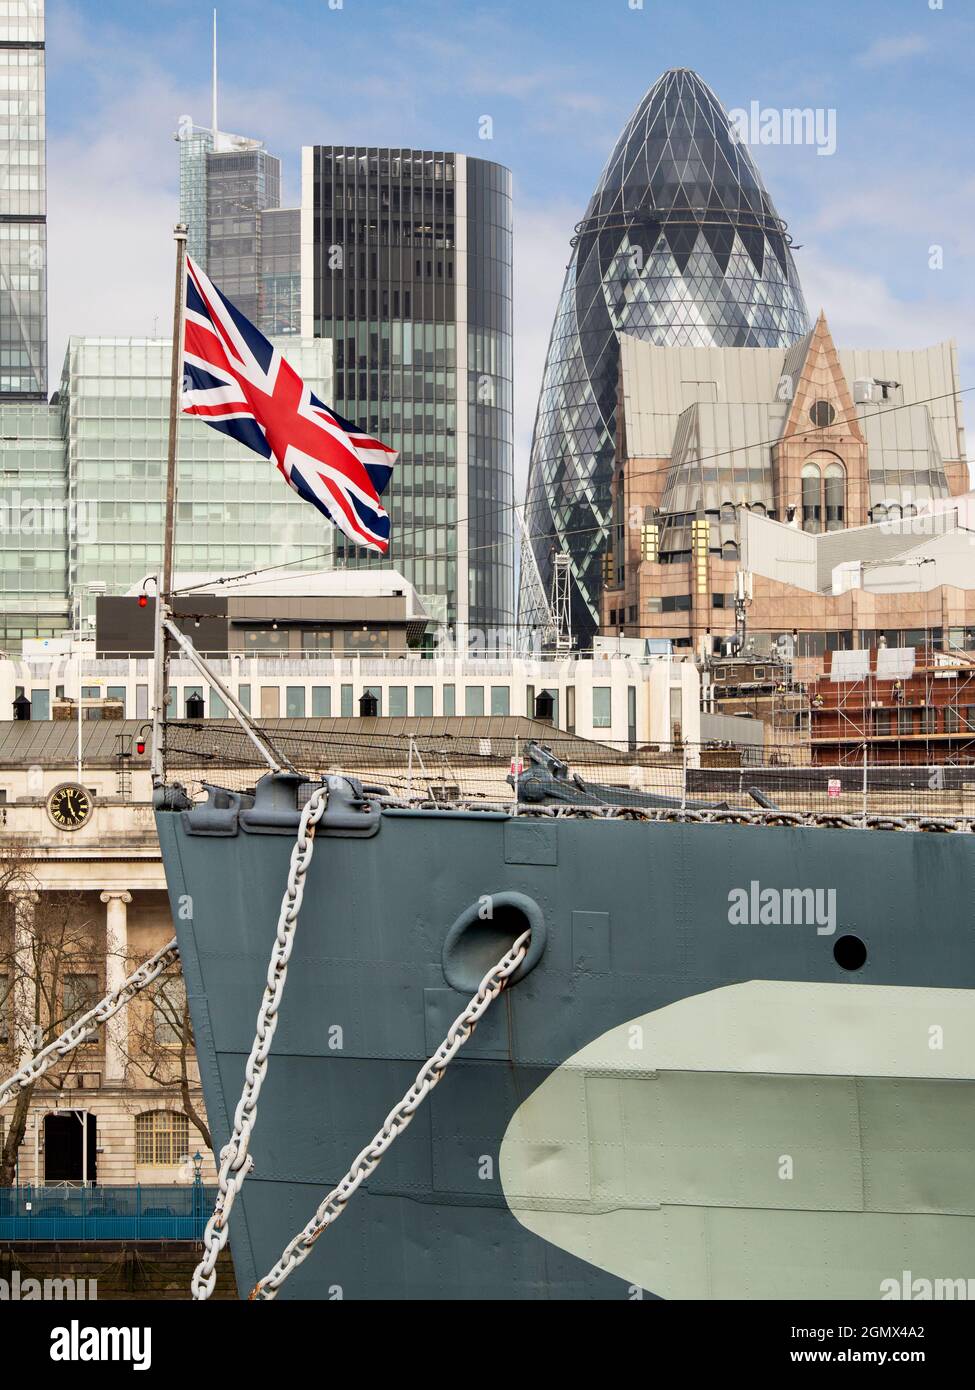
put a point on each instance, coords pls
(34, 523)
(195, 143)
(406, 267)
(230, 201)
(241, 183)
(23, 202)
(680, 245)
(234, 510)
(281, 270)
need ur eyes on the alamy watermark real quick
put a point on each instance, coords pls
(22, 515)
(791, 125)
(77, 1343)
(756, 906)
(19, 1290)
(910, 1288)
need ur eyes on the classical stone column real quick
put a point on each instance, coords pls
(24, 901)
(116, 968)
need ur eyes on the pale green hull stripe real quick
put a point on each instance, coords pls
(765, 1140)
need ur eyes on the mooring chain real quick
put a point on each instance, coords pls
(235, 1160)
(366, 1162)
(88, 1025)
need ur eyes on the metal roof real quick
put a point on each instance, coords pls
(659, 383)
(53, 743)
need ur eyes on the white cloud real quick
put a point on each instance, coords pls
(893, 50)
(110, 253)
(541, 254)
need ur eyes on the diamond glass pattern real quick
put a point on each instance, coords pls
(680, 245)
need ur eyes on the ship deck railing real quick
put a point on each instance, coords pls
(437, 766)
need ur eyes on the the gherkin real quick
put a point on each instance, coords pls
(680, 245)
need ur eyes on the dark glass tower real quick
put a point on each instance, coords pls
(23, 204)
(406, 265)
(680, 245)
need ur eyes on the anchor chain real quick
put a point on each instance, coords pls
(366, 1162)
(235, 1160)
(88, 1025)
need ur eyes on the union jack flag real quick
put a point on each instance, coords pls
(239, 383)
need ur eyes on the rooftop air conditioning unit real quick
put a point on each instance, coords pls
(865, 390)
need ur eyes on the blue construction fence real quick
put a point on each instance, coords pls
(105, 1213)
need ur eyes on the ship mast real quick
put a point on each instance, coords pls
(164, 583)
(166, 632)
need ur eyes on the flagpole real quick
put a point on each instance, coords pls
(165, 585)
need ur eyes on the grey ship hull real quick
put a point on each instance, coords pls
(668, 1104)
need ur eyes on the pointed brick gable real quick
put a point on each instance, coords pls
(803, 440)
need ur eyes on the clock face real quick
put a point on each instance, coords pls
(69, 806)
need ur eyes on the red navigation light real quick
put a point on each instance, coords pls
(140, 747)
(142, 600)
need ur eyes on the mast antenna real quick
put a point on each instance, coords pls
(214, 92)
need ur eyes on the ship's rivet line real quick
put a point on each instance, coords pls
(235, 1159)
(369, 1158)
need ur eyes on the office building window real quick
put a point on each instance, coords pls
(346, 701)
(449, 701)
(80, 993)
(265, 639)
(218, 705)
(500, 699)
(40, 704)
(321, 701)
(169, 1011)
(366, 642)
(397, 702)
(474, 700)
(295, 702)
(423, 701)
(602, 706)
(244, 696)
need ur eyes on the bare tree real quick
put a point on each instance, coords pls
(161, 1046)
(51, 961)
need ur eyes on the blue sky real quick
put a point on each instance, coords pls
(558, 81)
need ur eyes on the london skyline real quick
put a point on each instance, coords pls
(865, 218)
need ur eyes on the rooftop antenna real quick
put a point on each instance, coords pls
(214, 93)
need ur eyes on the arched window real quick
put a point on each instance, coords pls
(729, 550)
(161, 1137)
(834, 495)
(727, 511)
(879, 512)
(823, 495)
(812, 514)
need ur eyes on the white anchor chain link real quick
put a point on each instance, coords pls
(235, 1160)
(432, 1071)
(88, 1025)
